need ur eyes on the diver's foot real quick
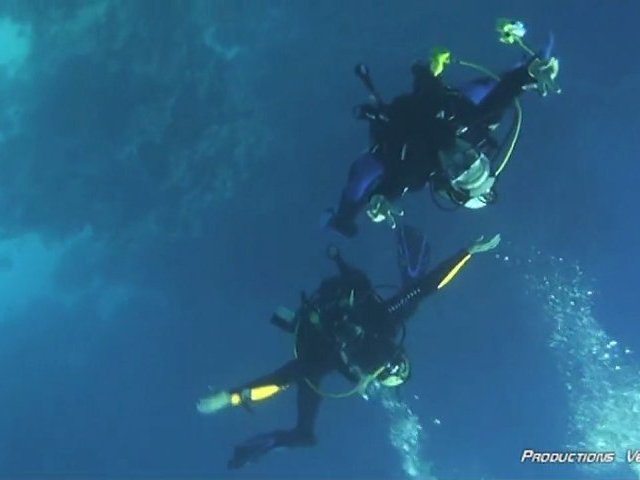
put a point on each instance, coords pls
(214, 403)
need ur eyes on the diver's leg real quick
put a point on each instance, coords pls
(251, 392)
(308, 405)
(251, 450)
(365, 174)
(284, 375)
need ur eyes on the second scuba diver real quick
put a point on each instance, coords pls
(344, 327)
(440, 136)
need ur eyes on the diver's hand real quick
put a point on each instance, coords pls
(545, 72)
(380, 209)
(484, 246)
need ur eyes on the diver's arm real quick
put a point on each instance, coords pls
(403, 304)
(302, 435)
(537, 74)
(509, 87)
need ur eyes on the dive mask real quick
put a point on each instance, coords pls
(469, 174)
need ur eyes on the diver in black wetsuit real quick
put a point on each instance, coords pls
(439, 136)
(345, 327)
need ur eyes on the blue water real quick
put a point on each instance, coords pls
(163, 168)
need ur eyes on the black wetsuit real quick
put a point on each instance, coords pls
(368, 331)
(408, 134)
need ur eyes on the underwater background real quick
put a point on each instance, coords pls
(163, 170)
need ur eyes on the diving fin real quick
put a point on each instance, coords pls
(251, 450)
(413, 253)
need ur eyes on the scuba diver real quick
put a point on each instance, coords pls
(440, 136)
(343, 327)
